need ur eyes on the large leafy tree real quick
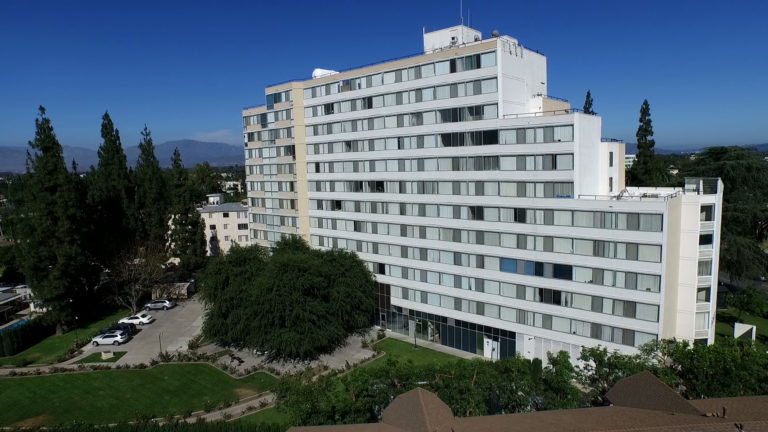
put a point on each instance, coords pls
(51, 245)
(152, 198)
(111, 197)
(203, 180)
(647, 170)
(745, 210)
(301, 302)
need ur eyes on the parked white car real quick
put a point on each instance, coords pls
(111, 338)
(138, 319)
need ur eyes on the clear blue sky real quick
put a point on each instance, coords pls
(188, 68)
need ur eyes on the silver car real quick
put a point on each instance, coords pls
(159, 304)
(110, 338)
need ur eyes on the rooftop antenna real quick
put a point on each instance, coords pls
(461, 11)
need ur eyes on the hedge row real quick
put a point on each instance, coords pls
(19, 338)
(173, 427)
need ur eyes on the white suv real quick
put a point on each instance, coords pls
(111, 338)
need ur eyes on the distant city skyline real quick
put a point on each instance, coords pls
(186, 70)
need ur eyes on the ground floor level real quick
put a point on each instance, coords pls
(475, 338)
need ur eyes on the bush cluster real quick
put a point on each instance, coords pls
(19, 338)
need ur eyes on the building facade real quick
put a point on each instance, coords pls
(495, 217)
(226, 224)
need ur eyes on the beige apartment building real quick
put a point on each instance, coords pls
(494, 216)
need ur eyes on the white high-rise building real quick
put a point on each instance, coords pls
(494, 216)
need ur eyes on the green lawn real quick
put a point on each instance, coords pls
(269, 415)
(50, 349)
(406, 352)
(121, 395)
(725, 320)
(96, 358)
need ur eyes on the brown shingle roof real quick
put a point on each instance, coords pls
(641, 403)
(645, 391)
(418, 410)
(745, 408)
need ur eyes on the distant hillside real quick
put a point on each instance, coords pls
(13, 159)
(193, 152)
(631, 148)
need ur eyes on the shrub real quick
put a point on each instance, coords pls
(19, 338)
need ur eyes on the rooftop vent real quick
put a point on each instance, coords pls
(317, 73)
(494, 33)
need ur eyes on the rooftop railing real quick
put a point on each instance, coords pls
(702, 186)
(616, 140)
(645, 196)
(563, 111)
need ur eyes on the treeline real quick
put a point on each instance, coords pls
(511, 385)
(73, 231)
(234, 426)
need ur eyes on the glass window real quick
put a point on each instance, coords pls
(705, 268)
(561, 324)
(488, 59)
(647, 312)
(702, 320)
(442, 68)
(443, 92)
(564, 162)
(650, 253)
(650, 222)
(707, 213)
(427, 70)
(488, 86)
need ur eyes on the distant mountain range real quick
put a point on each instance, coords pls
(13, 159)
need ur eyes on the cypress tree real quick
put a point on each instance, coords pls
(151, 194)
(647, 169)
(187, 236)
(588, 104)
(111, 197)
(51, 247)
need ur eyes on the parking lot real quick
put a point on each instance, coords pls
(171, 330)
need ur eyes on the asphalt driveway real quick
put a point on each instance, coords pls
(171, 330)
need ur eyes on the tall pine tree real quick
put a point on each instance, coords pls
(152, 200)
(588, 104)
(49, 229)
(187, 237)
(111, 197)
(647, 170)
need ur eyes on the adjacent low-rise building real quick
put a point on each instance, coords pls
(226, 224)
(495, 217)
